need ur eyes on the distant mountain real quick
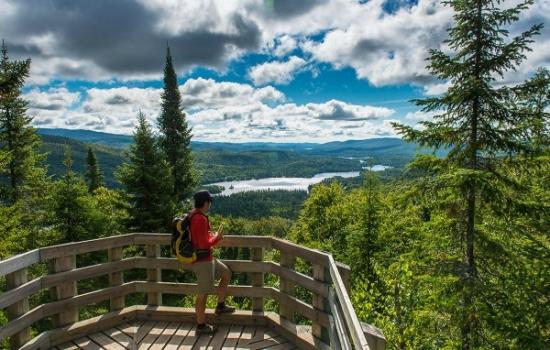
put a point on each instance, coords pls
(350, 148)
(88, 136)
(109, 158)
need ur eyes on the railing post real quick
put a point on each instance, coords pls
(287, 260)
(257, 279)
(14, 280)
(321, 274)
(65, 290)
(116, 278)
(153, 275)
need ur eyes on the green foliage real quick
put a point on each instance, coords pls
(17, 137)
(94, 177)
(76, 216)
(175, 140)
(260, 204)
(147, 182)
(475, 120)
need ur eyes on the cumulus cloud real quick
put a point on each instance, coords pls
(276, 72)
(65, 36)
(217, 111)
(384, 42)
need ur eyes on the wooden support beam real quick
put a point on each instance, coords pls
(14, 280)
(319, 303)
(65, 290)
(257, 279)
(153, 275)
(288, 260)
(116, 279)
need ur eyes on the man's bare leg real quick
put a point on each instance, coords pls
(200, 308)
(222, 287)
(222, 292)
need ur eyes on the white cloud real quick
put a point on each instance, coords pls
(276, 72)
(284, 45)
(217, 111)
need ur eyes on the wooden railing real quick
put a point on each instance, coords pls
(334, 323)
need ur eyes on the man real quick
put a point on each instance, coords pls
(207, 267)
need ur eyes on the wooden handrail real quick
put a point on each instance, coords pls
(353, 324)
(320, 316)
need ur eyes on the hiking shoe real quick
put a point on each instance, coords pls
(224, 309)
(206, 329)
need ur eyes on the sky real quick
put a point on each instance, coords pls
(248, 70)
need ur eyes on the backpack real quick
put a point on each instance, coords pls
(182, 245)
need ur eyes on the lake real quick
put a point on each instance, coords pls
(284, 183)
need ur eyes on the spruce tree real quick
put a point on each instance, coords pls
(93, 174)
(147, 181)
(75, 212)
(534, 100)
(476, 123)
(17, 137)
(175, 138)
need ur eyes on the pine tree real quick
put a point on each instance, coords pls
(17, 137)
(475, 121)
(75, 212)
(147, 181)
(176, 135)
(93, 174)
(534, 100)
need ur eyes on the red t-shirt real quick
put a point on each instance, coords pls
(201, 236)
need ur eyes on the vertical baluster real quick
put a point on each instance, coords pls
(65, 290)
(257, 279)
(153, 275)
(116, 278)
(319, 303)
(14, 280)
(287, 260)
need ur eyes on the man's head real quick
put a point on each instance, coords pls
(203, 200)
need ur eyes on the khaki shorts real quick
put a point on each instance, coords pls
(207, 272)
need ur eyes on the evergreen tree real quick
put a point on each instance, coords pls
(534, 100)
(175, 139)
(147, 181)
(93, 174)
(75, 212)
(476, 123)
(17, 137)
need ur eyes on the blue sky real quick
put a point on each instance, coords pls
(278, 70)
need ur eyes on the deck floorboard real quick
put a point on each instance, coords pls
(157, 335)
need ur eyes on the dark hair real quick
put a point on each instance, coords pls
(202, 197)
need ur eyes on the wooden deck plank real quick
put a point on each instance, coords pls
(246, 336)
(232, 337)
(203, 341)
(219, 337)
(190, 339)
(176, 335)
(152, 336)
(179, 336)
(165, 336)
(285, 346)
(105, 342)
(130, 329)
(268, 343)
(121, 337)
(87, 344)
(67, 346)
(143, 330)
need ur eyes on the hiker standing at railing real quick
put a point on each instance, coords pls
(207, 267)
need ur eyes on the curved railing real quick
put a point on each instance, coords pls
(334, 323)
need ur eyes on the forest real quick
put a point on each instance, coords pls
(450, 252)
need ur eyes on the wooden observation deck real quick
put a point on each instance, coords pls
(327, 318)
